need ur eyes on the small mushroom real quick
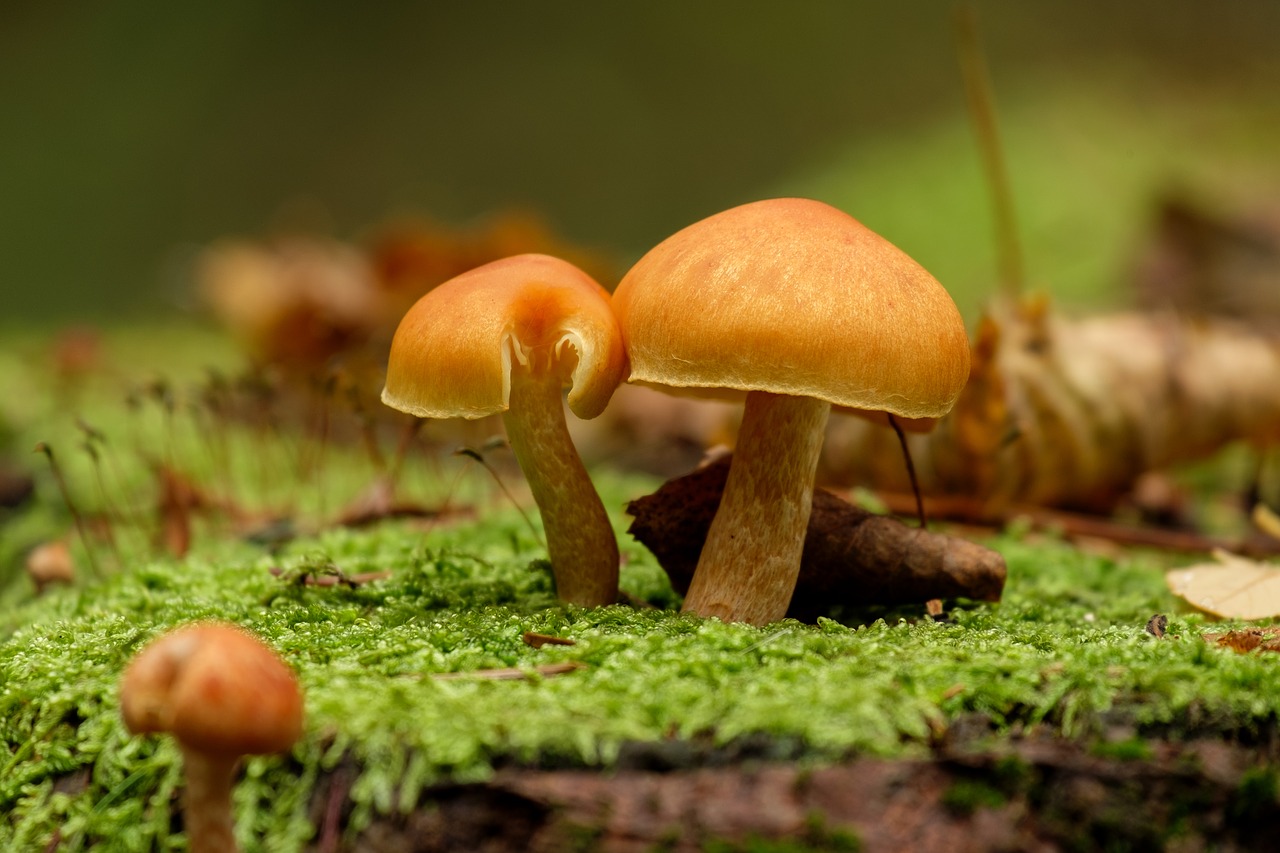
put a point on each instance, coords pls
(802, 307)
(50, 563)
(506, 338)
(222, 694)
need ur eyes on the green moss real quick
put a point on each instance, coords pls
(1065, 650)
(1065, 647)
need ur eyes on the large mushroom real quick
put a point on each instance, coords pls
(802, 307)
(506, 338)
(222, 694)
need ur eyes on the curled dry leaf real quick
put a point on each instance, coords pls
(1231, 588)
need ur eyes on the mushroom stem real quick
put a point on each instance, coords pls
(748, 568)
(206, 809)
(580, 538)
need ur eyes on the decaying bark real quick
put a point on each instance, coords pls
(851, 556)
(1035, 794)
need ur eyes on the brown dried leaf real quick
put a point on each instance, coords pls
(1248, 639)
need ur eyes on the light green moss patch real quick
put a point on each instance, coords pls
(1066, 646)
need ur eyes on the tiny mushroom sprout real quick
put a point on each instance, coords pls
(222, 694)
(802, 307)
(506, 338)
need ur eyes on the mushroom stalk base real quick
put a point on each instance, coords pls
(206, 804)
(580, 538)
(748, 568)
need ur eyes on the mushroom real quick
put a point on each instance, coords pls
(222, 694)
(800, 306)
(50, 563)
(505, 338)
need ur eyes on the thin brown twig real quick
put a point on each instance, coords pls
(1072, 524)
(513, 673)
(537, 641)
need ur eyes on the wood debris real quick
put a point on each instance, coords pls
(514, 673)
(537, 641)
(851, 556)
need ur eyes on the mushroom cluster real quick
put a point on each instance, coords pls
(790, 302)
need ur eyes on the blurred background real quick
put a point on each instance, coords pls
(133, 134)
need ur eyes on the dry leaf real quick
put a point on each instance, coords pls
(1248, 639)
(1233, 587)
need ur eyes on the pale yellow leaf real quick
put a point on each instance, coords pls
(1233, 587)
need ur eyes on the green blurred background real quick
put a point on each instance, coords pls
(133, 133)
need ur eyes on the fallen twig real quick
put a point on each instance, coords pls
(851, 556)
(1074, 524)
(514, 673)
(532, 638)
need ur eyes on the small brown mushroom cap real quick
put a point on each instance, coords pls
(216, 688)
(792, 296)
(454, 350)
(50, 562)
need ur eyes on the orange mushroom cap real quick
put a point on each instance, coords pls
(795, 297)
(216, 688)
(454, 350)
